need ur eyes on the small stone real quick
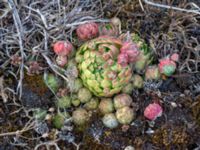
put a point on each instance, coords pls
(45, 135)
(173, 104)
(48, 117)
(51, 109)
(129, 148)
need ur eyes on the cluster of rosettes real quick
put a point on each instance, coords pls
(128, 53)
(62, 49)
(102, 68)
(167, 66)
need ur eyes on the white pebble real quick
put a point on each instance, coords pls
(173, 104)
(129, 148)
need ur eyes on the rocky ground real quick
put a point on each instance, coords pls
(166, 31)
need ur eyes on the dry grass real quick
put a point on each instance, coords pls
(28, 28)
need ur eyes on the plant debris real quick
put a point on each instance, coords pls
(28, 107)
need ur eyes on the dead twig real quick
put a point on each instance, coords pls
(48, 144)
(141, 5)
(29, 125)
(2, 91)
(20, 32)
(196, 9)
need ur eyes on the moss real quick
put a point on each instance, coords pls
(138, 143)
(36, 84)
(196, 111)
(168, 136)
(91, 144)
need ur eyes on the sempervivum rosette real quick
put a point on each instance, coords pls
(108, 29)
(87, 31)
(167, 66)
(145, 56)
(99, 67)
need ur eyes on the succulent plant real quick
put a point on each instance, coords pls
(167, 66)
(80, 116)
(128, 88)
(132, 51)
(137, 81)
(84, 95)
(125, 115)
(77, 85)
(108, 29)
(16, 60)
(61, 60)
(174, 57)
(98, 66)
(152, 111)
(72, 54)
(152, 73)
(62, 92)
(92, 104)
(72, 71)
(59, 119)
(52, 82)
(34, 67)
(71, 62)
(106, 105)
(122, 100)
(87, 31)
(76, 102)
(110, 121)
(39, 114)
(122, 59)
(62, 48)
(145, 56)
(141, 63)
(64, 102)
